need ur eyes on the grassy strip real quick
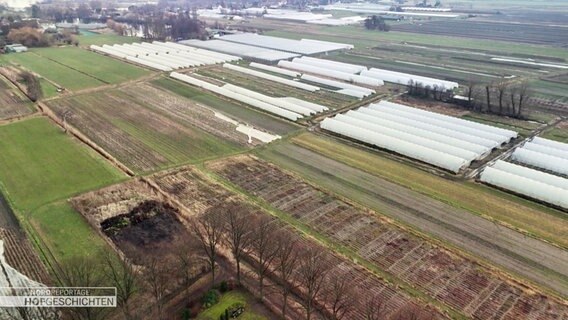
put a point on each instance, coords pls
(227, 300)
(533, 218)
(88, 39)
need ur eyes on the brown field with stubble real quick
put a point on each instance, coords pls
(149, 129)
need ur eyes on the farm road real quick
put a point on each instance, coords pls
(534, 259)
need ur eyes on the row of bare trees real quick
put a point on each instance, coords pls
(275, 254)
(502, 97)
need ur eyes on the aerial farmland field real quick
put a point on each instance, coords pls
(198, 194)
(250, 116)
(74, 68)
(455, 281)
(103, 68)
(13, 103)
(148, 129)
(527, 33)
(537, 220)
(323, 97)
(60, 74)
(42, 167)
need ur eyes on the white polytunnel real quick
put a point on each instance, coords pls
(525, 186)
(409, 149)
(541, 160)
(531, 174)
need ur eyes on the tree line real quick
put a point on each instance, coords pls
(503, 97)
(375, 22)
(265, 253)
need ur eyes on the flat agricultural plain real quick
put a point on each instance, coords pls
(535, 219)
(534, 259)
(42, 166)
(274, 89)
(231, 108)
(74, 68)
(514, 32)
(13, 103)
(191, 194)
(147, 128)
(456, 281)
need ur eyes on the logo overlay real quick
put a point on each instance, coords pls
(60, 297)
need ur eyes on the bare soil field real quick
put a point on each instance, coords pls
(515, 32)
(456, 281)
(13, 103)
(20, 254)
(146, 128)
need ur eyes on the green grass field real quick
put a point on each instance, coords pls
(62, 75)
(226, 301)
(41, 167)
(247, 115)
(97, 66)
(88, 38)
(363, 38)
(536, 219)
(558, 134)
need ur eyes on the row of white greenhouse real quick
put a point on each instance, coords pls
(300, 64)
(544, 154)
(539, 172)
(303, 46)
(250, 52)
(164, 56)
(529, 182)
(443, 141)
(288, 82)
(285, 107)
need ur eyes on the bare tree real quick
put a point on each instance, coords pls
(523, 92)
(158, 280)
(285, 263)
(471, 86)
(238, 231)
(339, 296)
(209, 231)
(314, 266)
(122, 275)
(488, 96)
(263, 247)
(185, 259)
(501, 91)
(83, 272)
(374, 307)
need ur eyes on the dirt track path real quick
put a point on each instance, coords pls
(536, 260)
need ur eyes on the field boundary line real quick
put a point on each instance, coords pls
(69, 67)
(92, 145)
